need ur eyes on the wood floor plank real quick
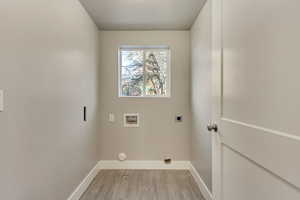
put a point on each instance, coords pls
(143, 185)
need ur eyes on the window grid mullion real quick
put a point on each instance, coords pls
(144, 73)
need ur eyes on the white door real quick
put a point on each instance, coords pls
(256, 77)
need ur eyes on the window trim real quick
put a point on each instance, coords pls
(146, 47)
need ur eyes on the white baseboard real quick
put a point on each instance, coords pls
(201, 184)
(151, 164)
(82, 187)
(132, 164)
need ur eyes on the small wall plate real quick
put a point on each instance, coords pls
(131, 120)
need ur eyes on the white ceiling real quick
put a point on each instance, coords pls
(143, 14)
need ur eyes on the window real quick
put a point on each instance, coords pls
(144, 72)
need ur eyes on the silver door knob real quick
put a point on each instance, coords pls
(212, 127)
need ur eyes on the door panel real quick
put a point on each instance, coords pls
(244, 180)
(261, 63)
(259, 99)
(273, 150)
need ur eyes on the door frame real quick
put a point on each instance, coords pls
(217, 74)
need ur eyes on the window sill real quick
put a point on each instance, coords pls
(146, 97)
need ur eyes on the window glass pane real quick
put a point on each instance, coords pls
(156, 72)
(132, 72)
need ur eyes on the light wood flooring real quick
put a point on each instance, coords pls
(143, 185)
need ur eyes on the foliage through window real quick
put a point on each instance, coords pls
(144, 72)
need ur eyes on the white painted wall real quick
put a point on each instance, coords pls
(48, 71)
(158, 134)
(201, 87)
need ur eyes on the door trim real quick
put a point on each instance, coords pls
(217, 72)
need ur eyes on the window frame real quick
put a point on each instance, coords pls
(146, 47)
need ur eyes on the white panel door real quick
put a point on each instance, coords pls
(256, 69)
